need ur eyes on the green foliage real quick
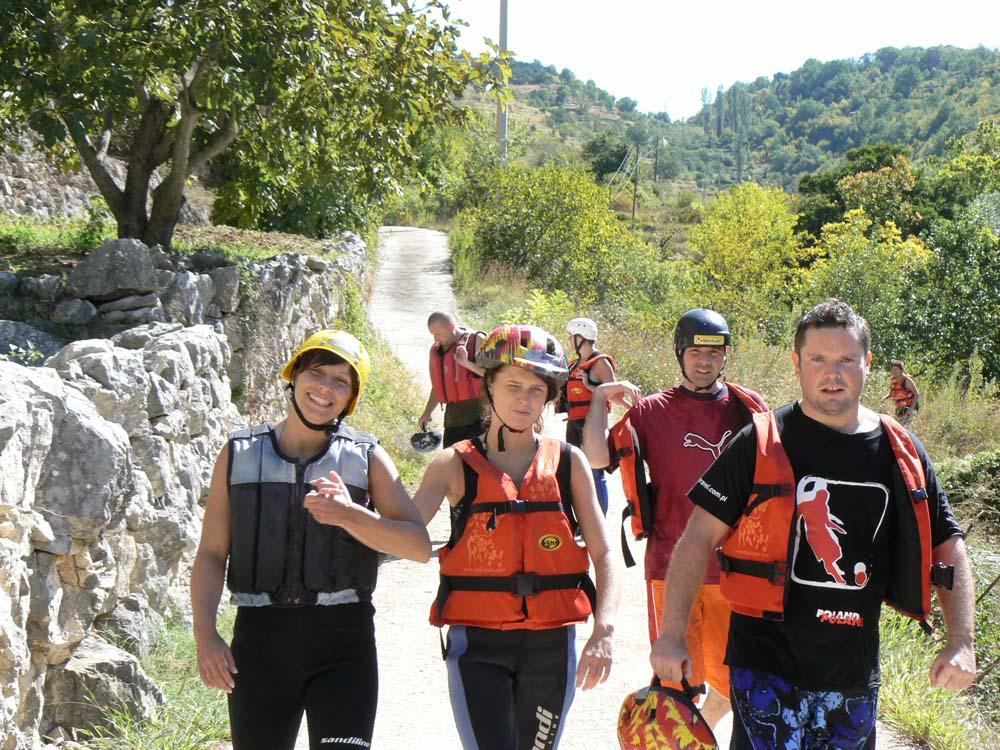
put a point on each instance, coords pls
(749, 257)
(312, 93)
(97, 227)
(553, 225)
(605, 152)
(875, 269)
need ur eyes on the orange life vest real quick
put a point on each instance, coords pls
(512, 561)
(450, 380)
(899, 394)
(578, 395)
(756, 558)
(639, 492)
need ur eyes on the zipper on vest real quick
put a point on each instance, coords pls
(297, 593)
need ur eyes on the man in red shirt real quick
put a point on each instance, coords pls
(681, 431)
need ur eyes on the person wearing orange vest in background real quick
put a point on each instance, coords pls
(590, 368)
(823, 509)
(514, 581)
(680, 432)
(903, 393)
(456, 380)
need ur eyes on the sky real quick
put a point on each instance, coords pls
(661, 53)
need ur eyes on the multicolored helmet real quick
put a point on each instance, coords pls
(345, 346)
(524, 346)
(663, 718)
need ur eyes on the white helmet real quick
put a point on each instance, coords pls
(583, 327)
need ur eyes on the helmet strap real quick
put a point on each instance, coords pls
(328, 428)
(500, 444)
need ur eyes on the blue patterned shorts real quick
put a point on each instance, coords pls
(769, 713)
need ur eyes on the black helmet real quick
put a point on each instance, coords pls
(701, 327)
(426, 441)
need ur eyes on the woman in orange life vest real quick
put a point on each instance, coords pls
(297, 511)
(513, 579)
(903, 393)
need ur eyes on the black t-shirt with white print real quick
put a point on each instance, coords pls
(828, 639)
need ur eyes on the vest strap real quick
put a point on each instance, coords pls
(761, 493)
(516, 506)
(521, 584)
(774, 572)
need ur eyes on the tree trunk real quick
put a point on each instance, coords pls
(143, 160)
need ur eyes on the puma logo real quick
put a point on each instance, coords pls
(694, 440)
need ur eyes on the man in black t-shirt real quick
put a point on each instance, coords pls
(809, 676)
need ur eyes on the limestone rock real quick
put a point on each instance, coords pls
(98, 676)
(131, 302)
(47, 286)
(188, 297)
(74, 312)
(117, 268)
(18, 340)
(227, 287)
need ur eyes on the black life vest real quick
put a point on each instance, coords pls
(280, 554)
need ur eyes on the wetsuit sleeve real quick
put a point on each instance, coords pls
(944, 525)
(724, 489)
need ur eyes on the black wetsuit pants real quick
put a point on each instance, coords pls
(320, 660)
(511, 689)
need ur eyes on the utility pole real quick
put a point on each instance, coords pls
(635, 184)
(501, 105)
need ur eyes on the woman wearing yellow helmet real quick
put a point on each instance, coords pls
(514, 580)
(297, 513)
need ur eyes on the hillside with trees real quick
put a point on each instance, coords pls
(774, 130)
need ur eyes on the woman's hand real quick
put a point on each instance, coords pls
(330, 503)
(215, 662)
(619, 392)
(595, 661)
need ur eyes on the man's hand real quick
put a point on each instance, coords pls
(330, 503)
(619, 392)
(595, 661)
(670, 658)
(215, 662)
(461, 357)
(425, 420)
(954, 667)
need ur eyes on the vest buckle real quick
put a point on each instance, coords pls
(919, 494)
(525, 584)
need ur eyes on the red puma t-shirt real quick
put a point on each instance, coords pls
(681, 433)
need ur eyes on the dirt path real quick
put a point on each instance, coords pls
(414, 711)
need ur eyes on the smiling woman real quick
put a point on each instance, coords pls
(298, 511)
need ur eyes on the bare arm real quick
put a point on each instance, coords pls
(688, 565)
(601, 372)
(911, 386)
(462, 357)
(595, 429)
(955, 666)
(395, 528)
(429, 408)
(442, 480)
(215, 661)
(596, 657)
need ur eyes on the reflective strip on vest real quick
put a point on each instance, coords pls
(536, 573)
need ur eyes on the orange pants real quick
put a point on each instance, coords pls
(706, 637)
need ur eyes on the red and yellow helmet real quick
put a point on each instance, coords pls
(662, 718)
(524, 346)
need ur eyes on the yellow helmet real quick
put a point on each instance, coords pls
(342, 344)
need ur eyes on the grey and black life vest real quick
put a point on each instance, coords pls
(278, 553)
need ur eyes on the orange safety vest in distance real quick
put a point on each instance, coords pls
(578, 395)
(900, 396)
(515, 564)
(640, 494)
(756, 557)
(448, 388)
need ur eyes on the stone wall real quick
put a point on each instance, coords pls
(31, 185)
(106, 452)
